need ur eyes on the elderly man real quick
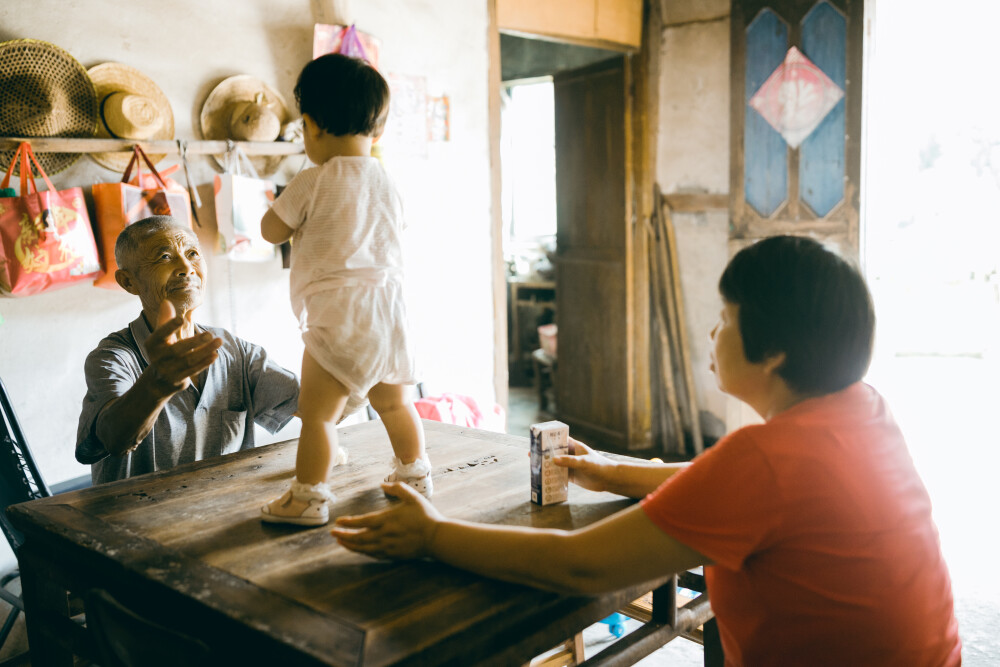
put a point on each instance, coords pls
(164, 390)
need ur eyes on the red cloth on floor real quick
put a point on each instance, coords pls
(451, 408)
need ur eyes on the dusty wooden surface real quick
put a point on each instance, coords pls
(189, 547)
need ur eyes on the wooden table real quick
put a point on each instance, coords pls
(187, 548)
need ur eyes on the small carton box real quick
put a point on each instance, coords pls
(549, 482)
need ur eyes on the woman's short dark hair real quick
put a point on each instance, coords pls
(343, 95)
(797, 297)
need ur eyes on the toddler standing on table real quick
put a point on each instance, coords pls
(345, 221)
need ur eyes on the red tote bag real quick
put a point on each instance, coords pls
(120, 204)
(47, 238)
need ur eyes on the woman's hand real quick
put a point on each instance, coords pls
(404, 530)
(587, 468)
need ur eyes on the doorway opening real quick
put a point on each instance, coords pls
(529, 217)
(931, 254)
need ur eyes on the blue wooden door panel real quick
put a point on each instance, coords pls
(821, 155)
(765, 153)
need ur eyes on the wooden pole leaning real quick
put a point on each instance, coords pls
(670, 416)
(684, 360)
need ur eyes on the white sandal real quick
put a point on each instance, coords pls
(315, 513)
(416, 475)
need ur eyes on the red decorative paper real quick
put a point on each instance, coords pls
(796, 97)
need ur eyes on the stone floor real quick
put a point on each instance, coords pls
(678, 653)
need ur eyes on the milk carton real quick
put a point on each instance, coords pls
(549, 482)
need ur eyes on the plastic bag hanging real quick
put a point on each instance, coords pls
(192, 191)
(350, 44)
(46, 240)
(241, 200)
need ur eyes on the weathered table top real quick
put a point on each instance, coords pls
(190, 541)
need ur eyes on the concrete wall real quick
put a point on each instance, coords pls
(693, 156)
(187, 47)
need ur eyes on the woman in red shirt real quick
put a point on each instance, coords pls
(814, 526)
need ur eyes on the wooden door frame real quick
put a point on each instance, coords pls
(641, 136)
(841, 225)
(499, 273)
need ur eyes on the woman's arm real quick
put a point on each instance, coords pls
(596, 472)
(621, 550)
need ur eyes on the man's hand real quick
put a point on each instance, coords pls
(587, 468)
(404, 530)
(173, 360)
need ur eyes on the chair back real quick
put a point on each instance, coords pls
(126, 639)
(20, 480)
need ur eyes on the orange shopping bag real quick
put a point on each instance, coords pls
(120, 204)
(47, 241)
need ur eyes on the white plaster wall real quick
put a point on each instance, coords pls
(693, 156)
(188, 46)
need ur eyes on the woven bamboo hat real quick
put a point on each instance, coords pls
(130, 106)
(44, 92)
(244, 108)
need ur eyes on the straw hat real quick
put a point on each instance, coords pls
(130, 106)
(244, 108)
(44, 92)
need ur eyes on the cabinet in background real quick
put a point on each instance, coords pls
(606, 23)
(531, 303)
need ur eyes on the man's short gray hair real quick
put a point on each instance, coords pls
(133, 235)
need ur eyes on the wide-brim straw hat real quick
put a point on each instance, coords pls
(130, 106)
(244, 108)
(44, 92)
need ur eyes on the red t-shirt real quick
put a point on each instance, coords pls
(822, 538)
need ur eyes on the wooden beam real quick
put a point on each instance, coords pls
(695, 202)
(195, 147)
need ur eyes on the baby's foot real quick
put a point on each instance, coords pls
(339, 457)
(301, 505)
(416, 475)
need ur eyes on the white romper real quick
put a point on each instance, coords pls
(347, 272)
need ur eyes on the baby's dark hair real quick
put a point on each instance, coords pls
(343, 95)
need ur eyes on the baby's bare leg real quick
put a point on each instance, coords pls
(322, 398)
(402, 423)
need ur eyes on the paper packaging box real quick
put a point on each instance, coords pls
(549, 482)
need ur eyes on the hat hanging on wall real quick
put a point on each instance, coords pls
(44, 92)
(130, 106)
(244, 108)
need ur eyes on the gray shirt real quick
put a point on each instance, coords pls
(241, 387)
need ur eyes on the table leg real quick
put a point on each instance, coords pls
(46, 607)
(714, 656)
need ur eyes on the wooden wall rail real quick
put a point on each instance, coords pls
(171, 147)
(695, 202)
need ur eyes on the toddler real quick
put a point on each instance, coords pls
(345, 221)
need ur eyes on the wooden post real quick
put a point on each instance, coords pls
(685, 356)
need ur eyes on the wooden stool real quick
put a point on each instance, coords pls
(545, 376)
